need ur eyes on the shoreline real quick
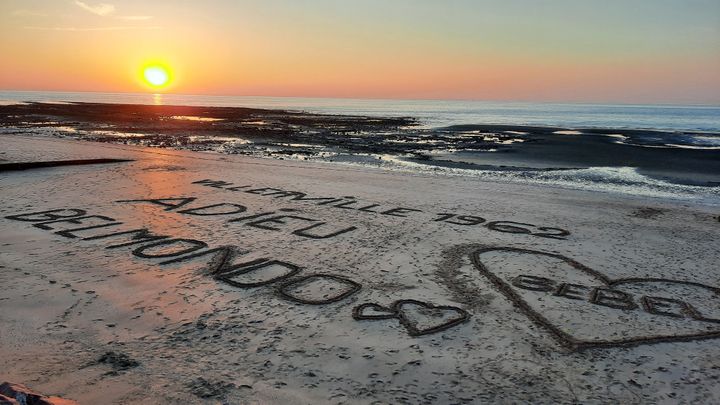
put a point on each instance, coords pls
(629, 161)
(430, 173)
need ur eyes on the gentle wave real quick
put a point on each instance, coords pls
(616, 180)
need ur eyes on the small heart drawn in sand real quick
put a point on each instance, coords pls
(421, 318)
(418, 317)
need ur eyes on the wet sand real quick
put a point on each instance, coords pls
(266, 281)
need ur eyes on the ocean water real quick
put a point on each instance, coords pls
(433, 113)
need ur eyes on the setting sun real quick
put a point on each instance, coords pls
(156, 76)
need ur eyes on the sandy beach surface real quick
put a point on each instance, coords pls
(189, 277)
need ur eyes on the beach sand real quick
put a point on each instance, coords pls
(582, 297)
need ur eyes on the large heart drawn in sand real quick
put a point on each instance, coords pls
(583, 308)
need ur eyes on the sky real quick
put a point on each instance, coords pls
(614, 51)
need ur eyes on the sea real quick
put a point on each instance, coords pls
(431, 113)
(702, 120)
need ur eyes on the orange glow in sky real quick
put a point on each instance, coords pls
(642, 51)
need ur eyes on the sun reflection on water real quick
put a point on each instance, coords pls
(157, 99)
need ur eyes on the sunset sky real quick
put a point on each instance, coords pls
(644, 51)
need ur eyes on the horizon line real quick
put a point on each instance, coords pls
(624, 103)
